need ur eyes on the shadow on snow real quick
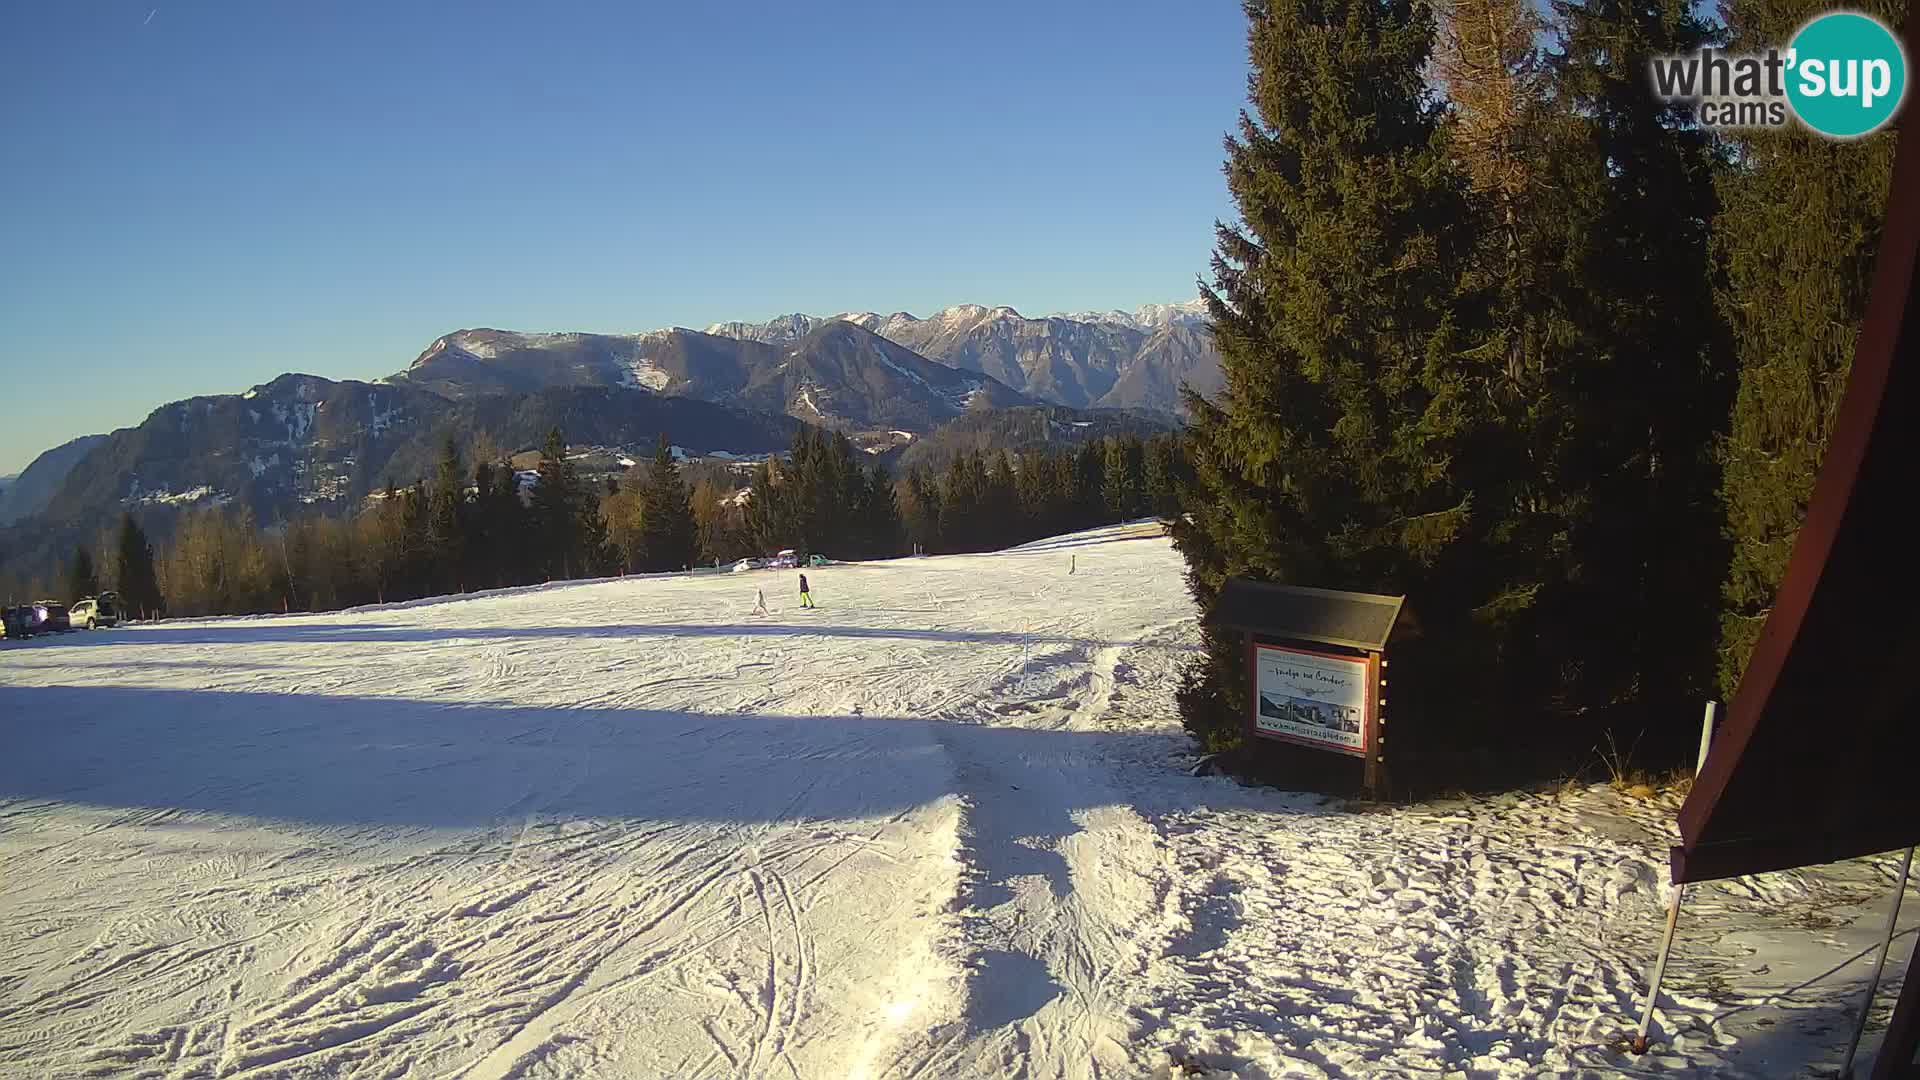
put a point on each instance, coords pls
(368, 761)
(278, 629)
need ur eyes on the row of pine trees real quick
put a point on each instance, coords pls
(125, 567)
(1507, 334)
(461, 530)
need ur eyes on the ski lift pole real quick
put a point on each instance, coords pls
(1659, 970)
(1879, 966)
(1673, 909)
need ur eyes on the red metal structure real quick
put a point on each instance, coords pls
(1815, 761)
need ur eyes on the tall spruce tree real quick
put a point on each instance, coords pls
(668, 536)
(1040, 501)
(82, 580)
(556, 511)
(481, 569)
(1649, 386)
(1327, 457)
(963, 493)
(498, 549)
(879, 516)
(137, 584)
(1085, 500)
(447, 521)
(922, 510)
(1161, 475)
(1122, 483)
(1004, 524)
(416, 572)
(769, 516)
(1799, 225)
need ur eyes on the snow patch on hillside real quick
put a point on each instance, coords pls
(381, 420)
(296, 419)
(161, 496)
(643, 372)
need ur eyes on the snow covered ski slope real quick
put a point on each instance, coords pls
(940, 827)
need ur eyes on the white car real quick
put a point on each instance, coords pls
(745, 565)
(94, 612)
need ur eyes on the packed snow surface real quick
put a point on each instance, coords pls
(944, 826)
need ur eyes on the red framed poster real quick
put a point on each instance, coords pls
(1311, 697)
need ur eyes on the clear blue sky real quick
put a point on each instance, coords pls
(198, 196)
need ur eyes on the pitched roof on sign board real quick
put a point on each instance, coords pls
(1354, 619)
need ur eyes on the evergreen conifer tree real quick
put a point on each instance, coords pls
(138, 585)
(82, 580)
(414, 578)
(1085, 498)
(1121, 480)
(1644, 386)
(1039, 498)
(962, 495)
(556, 512)
(1326, 459)
(668, 539)
(1160, 477)
(1800, 223)
(447, 521)
(1003, 524)
(922, 512)
(767, 517)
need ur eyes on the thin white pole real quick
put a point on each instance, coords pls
(1706, 736)
(1673, 909)
(1659, 972)
(1873, 984)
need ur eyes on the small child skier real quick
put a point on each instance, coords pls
(806, 597)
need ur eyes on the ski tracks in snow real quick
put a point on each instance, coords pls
(932, 830)
(1066, 892)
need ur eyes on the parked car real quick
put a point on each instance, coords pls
(94, 612)
(818, 560)
(16, 622)
(50, 615)
(785, 559)
(745, 565)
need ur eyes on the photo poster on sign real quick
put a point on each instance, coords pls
(1311, 697)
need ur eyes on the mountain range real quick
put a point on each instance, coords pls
(1108, 360)
(302, 440)
(35, 486)
(838, 374)
(308, 441)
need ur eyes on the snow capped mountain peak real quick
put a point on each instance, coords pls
(1146, 317)
(960, 314)
(791, 327)
(1113, 358)
(777, 329)
(1186, 311)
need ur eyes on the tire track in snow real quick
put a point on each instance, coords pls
(1040, 930)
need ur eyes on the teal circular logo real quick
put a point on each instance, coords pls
(1846, 75)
